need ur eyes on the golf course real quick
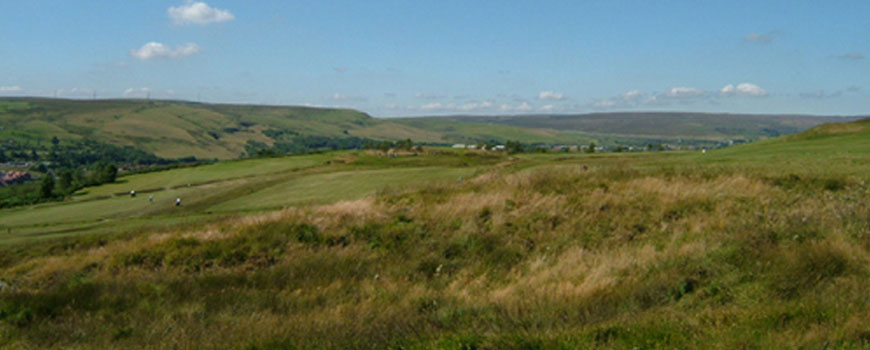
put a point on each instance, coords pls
(761, 245)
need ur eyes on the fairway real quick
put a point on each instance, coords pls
(344, 185)
(203, 174)
(229, 188)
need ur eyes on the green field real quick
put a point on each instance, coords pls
(757, 246)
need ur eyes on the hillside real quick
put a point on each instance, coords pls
(173, 129)
(639, 126)
(762, 245)
(835, 147)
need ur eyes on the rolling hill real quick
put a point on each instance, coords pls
(174, 129)
(632, 126)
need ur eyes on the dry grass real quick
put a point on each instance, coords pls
(572, 258)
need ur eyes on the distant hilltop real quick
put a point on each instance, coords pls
(178, 129)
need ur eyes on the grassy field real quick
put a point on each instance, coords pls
(758, 246)
(238, 186)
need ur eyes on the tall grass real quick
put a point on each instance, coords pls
(606, 257)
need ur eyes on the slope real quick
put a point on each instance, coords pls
(642, 125)
(173, 129)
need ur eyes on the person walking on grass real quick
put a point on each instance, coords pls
(177, 202)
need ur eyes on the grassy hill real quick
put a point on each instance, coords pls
(175, 129)
(764, 245)
(629, 127)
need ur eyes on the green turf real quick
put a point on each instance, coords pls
(343, 185)
(203, 174)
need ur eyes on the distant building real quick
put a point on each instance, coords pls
(459, 145)
(499, 148)
(15, 178)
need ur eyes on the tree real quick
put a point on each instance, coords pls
(65, 181)
(591, 148)
(46, 187)
(3, 158)
(106, 173)
(55, 141)
(514, 147)
(404, 144)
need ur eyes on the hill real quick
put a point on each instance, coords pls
(175, 129)
(762, 245)
(833, 147)
(632, 127)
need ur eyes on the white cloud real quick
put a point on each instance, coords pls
(749, 89)
(469, 107)
(551, 95)
(432, 107)
(632, 95)
(684, 92)
(158, 50)
(629, 98)
(10, 89)
(654, 101)
(758, 38)
(604, 104)
(198, 13)
(137, 92)
(547, 108)
(524, 107)
(743, 89)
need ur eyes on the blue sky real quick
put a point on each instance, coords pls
(400, 58)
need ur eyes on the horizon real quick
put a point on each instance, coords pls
(393, 59)
(537, 114)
